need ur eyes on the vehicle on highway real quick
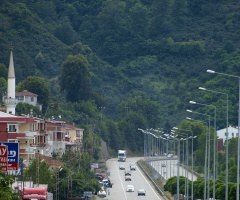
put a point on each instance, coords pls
(141, 192)
(133, 167)
(122, 155)
(122, 167)
(130, 188)
(163, 165)
(128, 178)
(128, 173)
(169, 155)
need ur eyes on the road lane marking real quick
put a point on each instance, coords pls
(121, 181)
(149, 184)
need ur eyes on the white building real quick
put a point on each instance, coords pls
(232, 133)
(28, 97)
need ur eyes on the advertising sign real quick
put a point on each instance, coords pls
(13, 154)
(4, 158)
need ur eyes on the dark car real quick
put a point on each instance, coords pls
(99, 178)
(127, 173)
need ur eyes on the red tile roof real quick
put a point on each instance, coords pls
(25, 93)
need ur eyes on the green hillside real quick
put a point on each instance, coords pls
(146, 58)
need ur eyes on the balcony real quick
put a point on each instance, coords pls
(27, 150)
(38, 145)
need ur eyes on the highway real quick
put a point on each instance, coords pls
(171, 168)
(139, 181)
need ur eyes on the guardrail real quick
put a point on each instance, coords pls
(150, 178)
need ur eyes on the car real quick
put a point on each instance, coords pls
(128, 173)
(132, 167)
(122, 167)
(164, 154)
(107, 182)
(163, 165)
(99, 178)
(169, 155)
(130, 188)
(102, 193)
(141, 192)
(100, 175)
(128, 178)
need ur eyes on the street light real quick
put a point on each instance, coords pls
(205, 155)
(205, 160)
(213, 72)
(173, 132)
(226, 187)
(214, 145)
(192, 156)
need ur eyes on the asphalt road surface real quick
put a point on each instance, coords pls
(139, 181)
(170, 169)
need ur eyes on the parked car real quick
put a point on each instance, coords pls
(107, 183)
(130, 188)
(102, 193)
(163, 165)
(164, 154)
(99, 178)
(141, 192)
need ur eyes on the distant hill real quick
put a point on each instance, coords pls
(155, 47)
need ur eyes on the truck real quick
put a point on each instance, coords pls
(122, 155)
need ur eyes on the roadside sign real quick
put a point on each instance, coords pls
(13, 154)
(4, 158)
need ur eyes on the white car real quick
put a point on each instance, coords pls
(102, 193)
(132, 167)
(141, 192)
(130, 188)
(169, 155)
(122, 167)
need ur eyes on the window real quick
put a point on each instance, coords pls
(32, 98)
(12, 128)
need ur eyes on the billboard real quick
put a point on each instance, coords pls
(4, 158)
(13, 154)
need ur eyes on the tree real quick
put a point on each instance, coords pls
(37, 86)
(75, 78)
(6, 192)
(179, 10)
(138, 20)
(3, 71)
(24, 108)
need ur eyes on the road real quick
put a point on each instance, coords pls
(171, 169)
(139, 181)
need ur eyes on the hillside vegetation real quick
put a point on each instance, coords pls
(145, 60)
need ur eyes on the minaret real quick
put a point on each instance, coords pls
(11, 101)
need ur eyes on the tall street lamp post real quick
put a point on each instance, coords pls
(192, 156)
(213, 72)
(226, 182)
(205, 155)
(214, 144)
(205, 160)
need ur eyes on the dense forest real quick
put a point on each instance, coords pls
(114, 66)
